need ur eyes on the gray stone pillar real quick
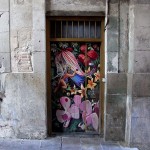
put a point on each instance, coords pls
(140, 74)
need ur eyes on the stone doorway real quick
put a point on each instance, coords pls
(75, 74)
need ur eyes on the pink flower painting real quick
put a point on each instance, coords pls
(88, 117)
(74, 110)
(70, 111)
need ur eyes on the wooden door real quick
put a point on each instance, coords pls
(74, 48)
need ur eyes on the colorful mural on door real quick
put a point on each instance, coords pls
(75, 76)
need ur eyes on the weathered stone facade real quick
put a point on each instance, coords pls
(23, 101)
(22, 58)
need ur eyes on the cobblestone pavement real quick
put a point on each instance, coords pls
(61, 143)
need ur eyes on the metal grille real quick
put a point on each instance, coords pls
(75, 29)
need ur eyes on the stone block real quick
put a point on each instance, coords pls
(4, 62)
(140, 131)
(38, 20)
(141, 107)
(142, 38)
(38, 5)
(24, 38)
(4, 5)
(142, 62)
(123, 37)
(141, 146)
(90, 143)
(94, 141)
(116, 83)
(142, 17)
(30, 144)
(113, 8)
(35, 103)
(39, 64)
(39, 41)
(112, 41)
(88, 147)
(110, 147)
(115, 134)
(116, 111)
(20, 16)
(29, 97)
(115, 118)
(123, 61)
(10, 144)
(51, 142)
(116, 105)
(112, 62)
(141, 85)
(76, 5)
(113, 24)
(70, 142)
(4, 22)
(4, 42)
(114, 121)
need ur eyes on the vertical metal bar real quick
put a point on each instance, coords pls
(55, 29)
(72, 29)
(78, 29)
(89, 29)
(66, 29)
(61, 29)
(84, 30)
(95, 29)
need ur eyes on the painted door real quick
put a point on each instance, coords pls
(75, 86)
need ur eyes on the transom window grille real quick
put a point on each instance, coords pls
(75, 29)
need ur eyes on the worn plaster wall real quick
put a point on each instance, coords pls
(22, 72)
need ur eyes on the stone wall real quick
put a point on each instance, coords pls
(23, 66)
(23, 88)
(140, 112)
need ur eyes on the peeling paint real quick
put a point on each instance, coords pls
(21, 51)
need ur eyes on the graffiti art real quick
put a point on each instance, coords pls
(75, 94)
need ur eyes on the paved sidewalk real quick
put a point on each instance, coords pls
(61, 143)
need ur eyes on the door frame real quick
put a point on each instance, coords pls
(102, 70)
